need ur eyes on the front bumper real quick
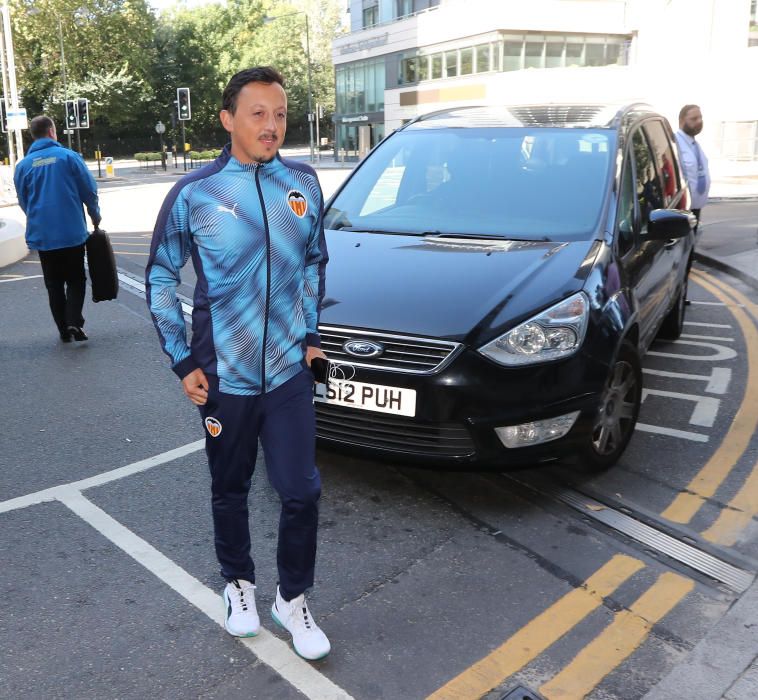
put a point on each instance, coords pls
(458, 409)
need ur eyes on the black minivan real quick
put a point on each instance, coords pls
(495, 276)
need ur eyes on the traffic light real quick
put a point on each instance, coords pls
(183, 103)
(3, 115)
(72, 120)
(83, 112)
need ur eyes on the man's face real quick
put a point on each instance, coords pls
(259, 123)
(692, 122)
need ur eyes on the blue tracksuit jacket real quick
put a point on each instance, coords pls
(256, 237)
(52, 182)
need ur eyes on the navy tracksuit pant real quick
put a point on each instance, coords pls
(284, 420)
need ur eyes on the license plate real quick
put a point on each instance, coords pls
(368, 397)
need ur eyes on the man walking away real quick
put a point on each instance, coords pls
(52, 184)
(253, 224)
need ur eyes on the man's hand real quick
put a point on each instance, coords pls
(311, 352)
(195, 386)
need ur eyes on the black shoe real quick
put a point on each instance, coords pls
(65, 336)
(77, 333)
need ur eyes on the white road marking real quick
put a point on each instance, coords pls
(268, 648)
(134, 468)
(706, 407)
(271, 650)
(715, 303)
(718, 380)
(706, 337)
(671, 432)
(16, 279)
(707, 325)
(721, 352)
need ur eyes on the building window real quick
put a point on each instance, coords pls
(467, 61)
(370, 15)
(483, 52)
(437, 66)
(408, 70)
(513, 55)
(360, 87)
(533, 54)
(423, 68)
(451, 64)
(403, 8)
(554, 53)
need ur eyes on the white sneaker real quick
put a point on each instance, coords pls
(307, 638)
(241, 616)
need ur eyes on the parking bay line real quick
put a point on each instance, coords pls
(266, 647)
(706, 482)
(540, 633)
(619, 640)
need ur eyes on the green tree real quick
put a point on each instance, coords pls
(108, 50)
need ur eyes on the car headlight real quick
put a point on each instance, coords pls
(555, 333)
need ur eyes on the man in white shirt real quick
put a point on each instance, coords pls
(694, 161)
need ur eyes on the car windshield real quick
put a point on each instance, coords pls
(516, 183)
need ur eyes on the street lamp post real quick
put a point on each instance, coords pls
(63, 73)
(160, 128)
(311, 116)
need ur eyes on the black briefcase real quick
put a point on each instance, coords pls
(102, 266)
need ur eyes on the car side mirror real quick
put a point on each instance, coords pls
(665, 224)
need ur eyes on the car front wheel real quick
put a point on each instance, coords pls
(617, 413)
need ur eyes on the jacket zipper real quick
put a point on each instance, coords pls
(268, 280)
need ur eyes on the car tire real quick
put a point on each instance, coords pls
(673, 324)
(613, 423)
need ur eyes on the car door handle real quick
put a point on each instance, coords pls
(671, 242)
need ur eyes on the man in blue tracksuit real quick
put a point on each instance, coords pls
(253, 224)
(52, 184)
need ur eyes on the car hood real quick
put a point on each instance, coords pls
(465, 290)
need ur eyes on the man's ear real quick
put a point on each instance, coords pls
(226, 119)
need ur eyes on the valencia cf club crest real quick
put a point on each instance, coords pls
(297, 202)
(213, 426)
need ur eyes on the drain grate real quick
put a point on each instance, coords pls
(737, 579)
(522, 693)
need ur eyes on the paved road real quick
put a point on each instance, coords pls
(430, 584)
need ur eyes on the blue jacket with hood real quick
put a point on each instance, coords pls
(52, 183)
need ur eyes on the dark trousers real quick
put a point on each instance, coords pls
(63, 270)
(284, 420)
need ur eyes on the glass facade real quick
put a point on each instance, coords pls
(360, 87)
(517, 52)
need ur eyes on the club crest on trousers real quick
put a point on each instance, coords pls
(213, 426)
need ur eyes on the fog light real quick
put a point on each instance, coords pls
(536, 432)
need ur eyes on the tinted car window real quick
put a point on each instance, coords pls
(649, 193)
(625, 222)
(664, 159)
(504, 182)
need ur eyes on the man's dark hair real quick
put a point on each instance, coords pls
(683, 111)
(259, 74)
(40, 126)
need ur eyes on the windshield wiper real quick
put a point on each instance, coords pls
(391, 232)
(482, 237)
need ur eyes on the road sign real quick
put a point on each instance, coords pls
(109, 167)
(17, 119)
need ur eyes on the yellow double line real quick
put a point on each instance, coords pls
(631, 626)
(627, 631)
(706, 482)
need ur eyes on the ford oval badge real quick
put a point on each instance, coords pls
(363, 348)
